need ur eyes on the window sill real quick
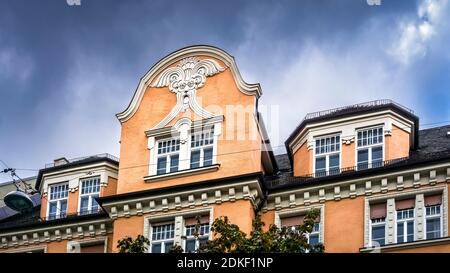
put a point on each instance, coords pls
(408, 245)
(211, 168)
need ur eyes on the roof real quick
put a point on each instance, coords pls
(433, 146)
(350, 110)
(76, 162)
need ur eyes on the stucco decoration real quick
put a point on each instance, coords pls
(184, 80)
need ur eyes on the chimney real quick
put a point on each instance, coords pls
(60, 161)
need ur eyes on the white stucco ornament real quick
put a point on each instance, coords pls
(184, 80)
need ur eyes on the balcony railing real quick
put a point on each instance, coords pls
(72, 160)
(271, 183)
(353, 107)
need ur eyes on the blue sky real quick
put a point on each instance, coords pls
(65, 71)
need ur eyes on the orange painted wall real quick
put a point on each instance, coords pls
(235, 156)
(348, 155)
(44, 207)
(397, 145)
(303, 158)
(72, 202)
(124, 227)
(239, 212)
(57, 247)
(111, 189)
(344, 225)
(268, 218)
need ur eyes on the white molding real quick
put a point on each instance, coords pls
(153, 178)
(193, 51)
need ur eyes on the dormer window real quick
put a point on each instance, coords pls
(370, 148)
(57, 205)
(327, 155)
(90, 189)
(168, 156)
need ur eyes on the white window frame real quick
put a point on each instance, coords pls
(58, 201)
(202, 148)
(404, 222)
(201, 236)
(163, 242)
(327, 154)
(369, 147)
(377, 223)
(90, 195)
(167, 155)
(314, 232)
(434, 216)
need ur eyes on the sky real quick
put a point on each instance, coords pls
(66, 70)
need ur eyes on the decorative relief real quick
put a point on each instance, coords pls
(184, 80)
(348, 140)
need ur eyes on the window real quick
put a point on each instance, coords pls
(90, 189)
(168, 156)
(405, 225)
(192, 244)
(57, 205)
(327, 155)
(378, 224)
(433, 216)
(370, 148)
(294, 221)
(162, 237)
(202, 144)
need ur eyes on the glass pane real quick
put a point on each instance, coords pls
(334, 164)
(207, 157)
(173, 163)
(161, 165)
(377, 156)
(313, 239)
(168, 245)
(63, 208)
(52, 210)
(320, 166)
(156, 248)
(378, 234)
(410, 230)
(195, 159)
(190, 245)
(363, 159)
(84, 204)
(400, 233)
(433, 228)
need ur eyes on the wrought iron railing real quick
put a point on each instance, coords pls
(274, 182)
(353, 107)
(104, 155)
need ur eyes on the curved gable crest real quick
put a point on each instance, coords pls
(185, 78)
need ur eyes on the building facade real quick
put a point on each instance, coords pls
(193, 143)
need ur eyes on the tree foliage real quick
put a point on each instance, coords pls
(138, 245)
(228, 238)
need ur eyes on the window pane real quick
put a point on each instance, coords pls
(63, 208)
(52, 210)
(173, 163)
(377, 156)
(400, 233)
(313, 239)
(168, 245)
(320, 166)
(410, 230)
(190, 245)
(162, 161)
(378, 234)
(156, 248)
(363, 158)
(195, 159)
(334, 164)
(207, 157)
(433, 228)
(84, 204)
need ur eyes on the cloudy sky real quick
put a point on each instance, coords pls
(65, 71)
